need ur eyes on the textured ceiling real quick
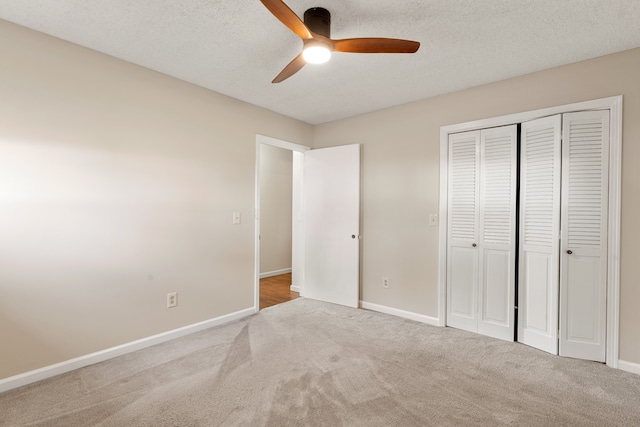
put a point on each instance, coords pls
(236, 47)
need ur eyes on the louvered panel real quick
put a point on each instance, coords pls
(585, 196)
(539, 155)
(463, 181)
(583, 256)
(496, 248)
(539, 230)
(497, 197)
(462, 255)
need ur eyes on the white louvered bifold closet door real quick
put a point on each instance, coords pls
(497, 237)
(462, 253)
(583, 260)
(481, 234)
(538, 273)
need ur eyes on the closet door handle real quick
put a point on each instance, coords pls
(474, 245)
(569, 251)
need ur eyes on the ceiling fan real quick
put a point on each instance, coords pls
(315, 33)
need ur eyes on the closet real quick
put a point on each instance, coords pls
(556, 185)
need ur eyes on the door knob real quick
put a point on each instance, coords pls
(474, 245)
(569, 251)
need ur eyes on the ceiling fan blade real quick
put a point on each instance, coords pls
(291, 68)
(287, 17)
(375, 45)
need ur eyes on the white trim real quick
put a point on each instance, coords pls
(400, 313)
(256, 249)
(297, 223)
(275, 273)
(294, 288)
(525, 116)
(613, 255)
(100, 356)
(262, 139)
(634, 368)
(614, 105)
(444, 227)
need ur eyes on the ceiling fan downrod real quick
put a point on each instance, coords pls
(318, 20)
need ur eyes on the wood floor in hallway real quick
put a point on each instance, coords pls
(275, 290)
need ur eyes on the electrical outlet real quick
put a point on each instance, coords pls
(385, 282)
(172, 299)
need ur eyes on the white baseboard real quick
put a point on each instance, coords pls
(634, 368)
(100, 356)
(295, 288)
(275, 273)
(400, 313)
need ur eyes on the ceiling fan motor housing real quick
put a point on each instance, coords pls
(318, 20)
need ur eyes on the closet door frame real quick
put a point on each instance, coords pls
(614, 105)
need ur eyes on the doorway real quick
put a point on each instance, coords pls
(325, 236)
(279, 254)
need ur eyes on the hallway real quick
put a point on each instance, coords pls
(275, 290)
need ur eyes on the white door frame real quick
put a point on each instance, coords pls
(297, 234)
(614, 105)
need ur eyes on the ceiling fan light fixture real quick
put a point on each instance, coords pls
(316, 54)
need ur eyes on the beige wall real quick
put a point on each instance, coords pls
(400, 173)
(276, 184)
(117, 186)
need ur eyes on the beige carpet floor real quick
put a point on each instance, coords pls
(307, 363)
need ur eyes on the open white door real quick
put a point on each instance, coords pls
(539, 233)
(332, 224)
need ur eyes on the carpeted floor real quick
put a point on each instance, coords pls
(307, 363)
